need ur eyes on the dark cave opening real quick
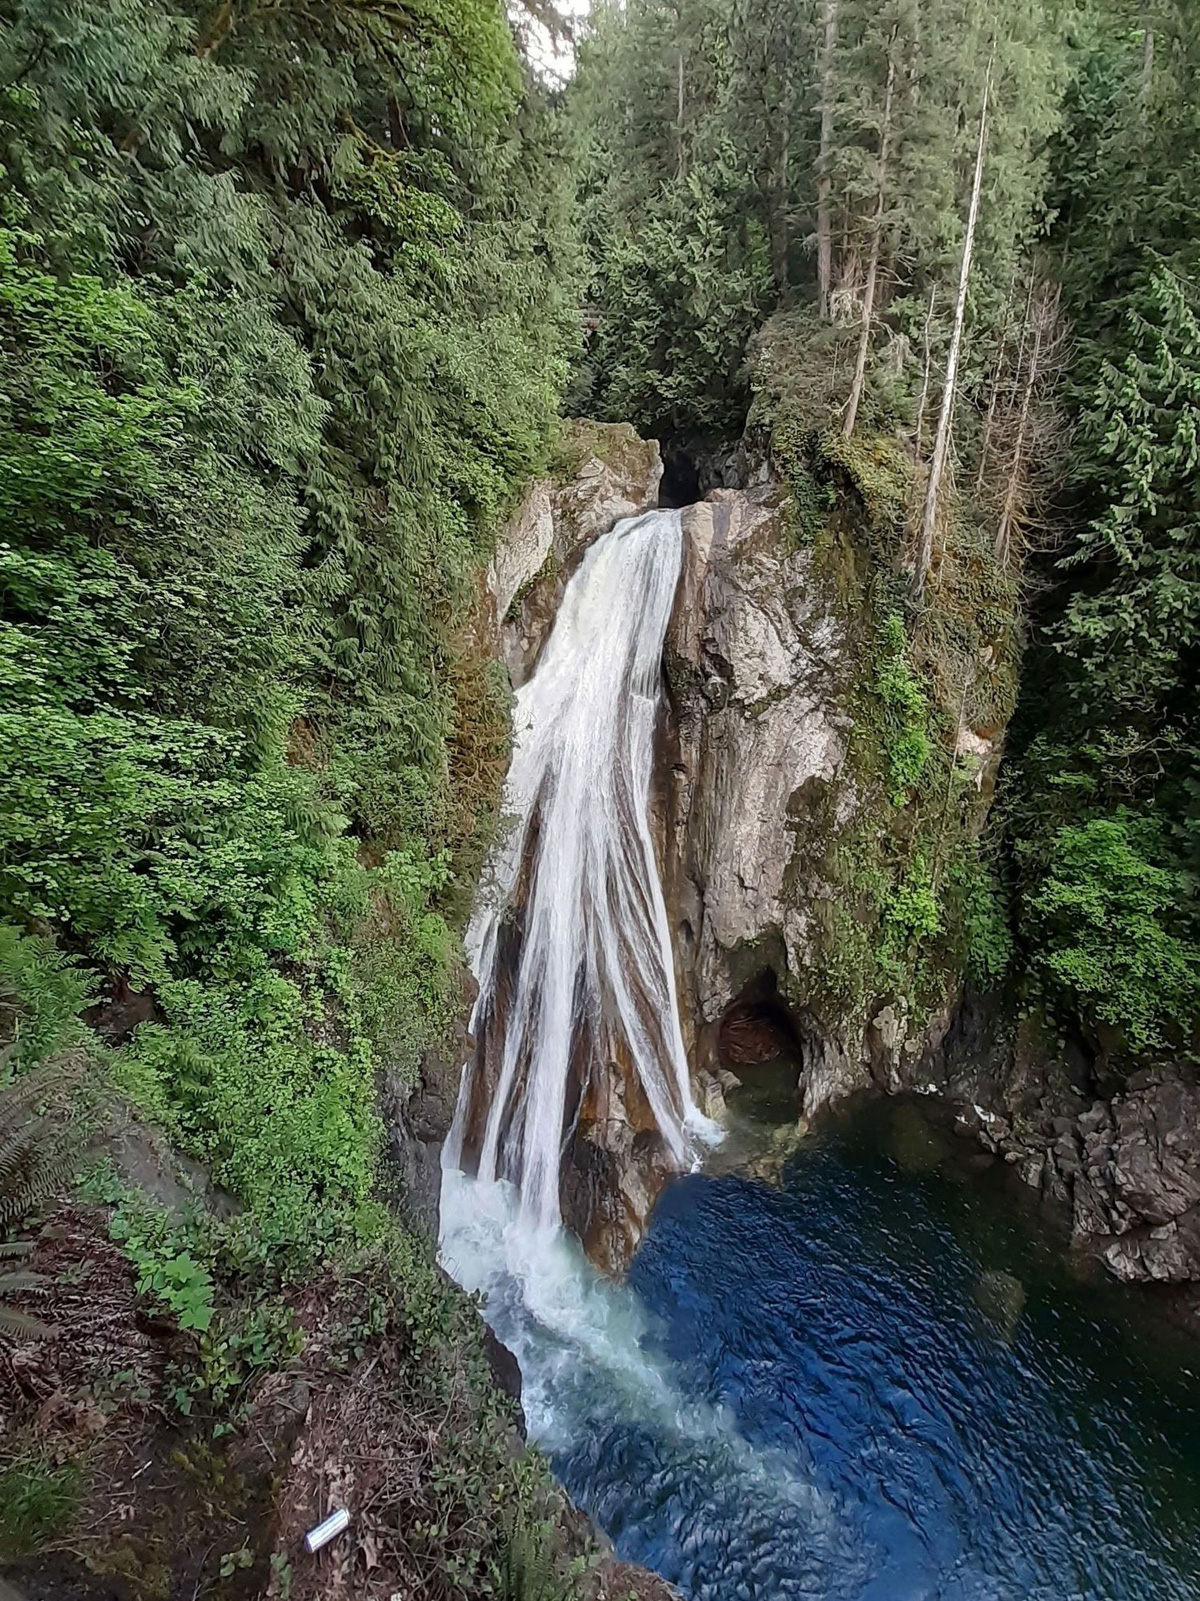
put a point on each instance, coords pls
(757, 1027)
(680, 484)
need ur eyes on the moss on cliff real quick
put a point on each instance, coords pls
(907, 898)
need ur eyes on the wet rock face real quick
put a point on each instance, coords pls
(1132, 1169)
(755, 665)
(615, 474)
(1126, 1170)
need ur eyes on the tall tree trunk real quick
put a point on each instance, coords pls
(779, 208)
(1008, 515)
(941, 448)
(217, 31)
(998, 379)
(679, 109)
(868, 312)
(829, 16)
(927, 347)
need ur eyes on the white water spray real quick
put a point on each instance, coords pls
(571, 946)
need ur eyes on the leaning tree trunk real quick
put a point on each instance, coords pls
(868, 313)
(829, 16)
(941, 448)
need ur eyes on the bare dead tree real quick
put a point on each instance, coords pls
(1046, 345)
(998, 375)
(941, 447)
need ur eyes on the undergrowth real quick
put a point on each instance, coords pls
(37, 1500)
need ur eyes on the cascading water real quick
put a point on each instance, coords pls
(796, 1395)
(571, 946)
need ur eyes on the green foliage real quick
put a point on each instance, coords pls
(529, 1567)
(911, 912)
(1112, 918)
(905, 740)
(1103, 801)
(703, 174)
(285, 303)
(982, 911)
(238, 1347)
(37, 1499)
(880, 473)
(42, 993)
(38, 1157)
(161, 1253)
(687, 288)
(1138, 449)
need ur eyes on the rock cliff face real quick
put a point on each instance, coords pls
(755, 785)
(757, 791)
(612, 474)
(756, 664)
(762, 791)
(1122, 1164)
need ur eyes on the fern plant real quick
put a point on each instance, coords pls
(529, 1568)
(35, 1164)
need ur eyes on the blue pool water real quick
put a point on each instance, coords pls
(832, 1391)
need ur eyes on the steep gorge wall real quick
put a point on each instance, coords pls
(789, 848)
(780, 833)
(795, 860)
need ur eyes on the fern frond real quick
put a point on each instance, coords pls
(13, 1248)
(18, 1283)
(15, 1146)
(34, 1164)
(23, 1327)
(49, 1178)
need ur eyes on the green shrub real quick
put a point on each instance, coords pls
(1109, 915)
(905, 712)
(911, 911)
(37, 1500)
(983, 915)
(42, 992)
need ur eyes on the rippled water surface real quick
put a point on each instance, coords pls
(834, 1391)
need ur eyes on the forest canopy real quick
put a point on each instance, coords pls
(970, 227)
(287, 295)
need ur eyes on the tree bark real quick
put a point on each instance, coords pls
(1147, 83)
(941, 448)
(926, 345)
(218, 29)
(868, 313)
(679, 108)
(779, 210)
(829, 16)
(1008, 515)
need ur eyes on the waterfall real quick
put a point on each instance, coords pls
(571, 948)
(570, 943)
